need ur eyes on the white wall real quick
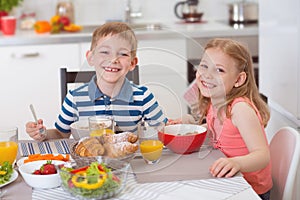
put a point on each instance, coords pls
(97, 11)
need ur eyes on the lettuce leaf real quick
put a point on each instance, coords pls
(6, 171)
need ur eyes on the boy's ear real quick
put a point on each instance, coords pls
(89, 57)
(241, 79)
(133, 63)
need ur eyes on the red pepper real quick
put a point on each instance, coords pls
(100, 168)
(115, 178)
(74, 171)
(42, 27)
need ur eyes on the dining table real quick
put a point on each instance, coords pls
(175, 177)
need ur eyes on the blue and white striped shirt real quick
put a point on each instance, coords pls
(128, 108)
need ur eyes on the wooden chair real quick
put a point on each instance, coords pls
(285, 155)
(84, 77)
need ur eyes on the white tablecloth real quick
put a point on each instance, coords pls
(212, 189)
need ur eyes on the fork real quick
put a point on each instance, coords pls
(42, 131)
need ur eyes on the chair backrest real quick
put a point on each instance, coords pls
(85, 76)
(285, 153)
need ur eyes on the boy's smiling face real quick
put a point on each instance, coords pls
(112, 58)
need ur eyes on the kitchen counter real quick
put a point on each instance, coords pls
(168, 30)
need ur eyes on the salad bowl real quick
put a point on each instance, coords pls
(95, 181)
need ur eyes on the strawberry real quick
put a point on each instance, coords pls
(48, 168)
(37, 172)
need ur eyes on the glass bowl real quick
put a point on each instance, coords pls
(95, 181)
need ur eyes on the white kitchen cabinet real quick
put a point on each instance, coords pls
(279, 55)
(84, 47)
(163, 69)
(30, 75)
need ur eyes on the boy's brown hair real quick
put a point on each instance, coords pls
(113, 28)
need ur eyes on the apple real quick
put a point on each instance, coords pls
(64, 20)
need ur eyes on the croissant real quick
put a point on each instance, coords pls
(121, 137)
(120, 149)
(111, 145)
(90, 147)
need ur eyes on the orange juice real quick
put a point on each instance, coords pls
(100, 132)
(151, 149)
(8, 151)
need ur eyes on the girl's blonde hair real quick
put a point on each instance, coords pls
(249, 89)
(113, 28)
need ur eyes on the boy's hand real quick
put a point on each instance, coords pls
(33, 130)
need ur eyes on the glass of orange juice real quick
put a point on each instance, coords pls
(8, 144)
(101, 124)
(150, 146)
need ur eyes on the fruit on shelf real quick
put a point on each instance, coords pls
(72, 28)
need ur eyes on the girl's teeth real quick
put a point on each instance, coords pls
(207, 85)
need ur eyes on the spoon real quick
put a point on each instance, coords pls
(2, 192)
(42, 131)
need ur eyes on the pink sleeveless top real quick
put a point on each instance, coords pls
(231, 143)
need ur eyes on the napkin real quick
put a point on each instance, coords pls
(29, 147)
(175, 167)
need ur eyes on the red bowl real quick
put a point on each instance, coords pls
(183, 138)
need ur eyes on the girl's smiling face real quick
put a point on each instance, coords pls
(112, 58)
(217, 74)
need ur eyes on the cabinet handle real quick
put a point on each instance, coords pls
(26, 55)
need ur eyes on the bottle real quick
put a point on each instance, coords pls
(65, 8)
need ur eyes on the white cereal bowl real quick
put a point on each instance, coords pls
(80, 129)
(40, 181)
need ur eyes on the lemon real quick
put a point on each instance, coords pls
(101, 132)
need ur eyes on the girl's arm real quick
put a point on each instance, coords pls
(247, 122)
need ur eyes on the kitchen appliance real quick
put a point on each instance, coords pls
(188, 11)
(243, 12)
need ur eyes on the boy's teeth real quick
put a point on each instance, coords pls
(111, 69)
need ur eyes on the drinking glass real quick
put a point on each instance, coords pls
(8, 25)
(101, 124)
(8, 144)
(150, 146)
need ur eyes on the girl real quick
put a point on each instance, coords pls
(235, 113)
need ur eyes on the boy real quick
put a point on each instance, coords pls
(113, 55)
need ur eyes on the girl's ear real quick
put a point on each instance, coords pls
(89, 57)
(241, 79)
(133, 63)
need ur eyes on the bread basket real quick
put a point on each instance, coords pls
(82, 161)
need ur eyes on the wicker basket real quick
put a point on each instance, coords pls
(82, 161)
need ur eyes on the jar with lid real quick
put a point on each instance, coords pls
(27, 20)
(65, 8)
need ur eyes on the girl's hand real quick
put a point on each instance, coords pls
(33, 130)
(224, 167)
(174, 121)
